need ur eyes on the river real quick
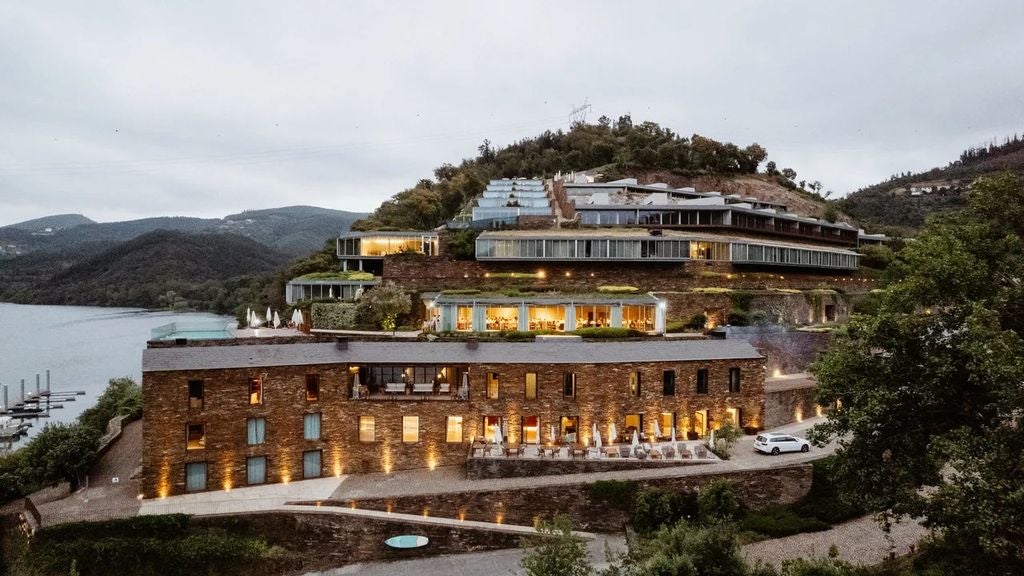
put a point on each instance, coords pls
(82, 346)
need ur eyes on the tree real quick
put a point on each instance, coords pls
(831, 214)
(384, 303)
(726, 437)
(770, 168)
(59, 452)
(685, 550)
(789, 173)
(718, 502)
(555, 551)
(928, 387)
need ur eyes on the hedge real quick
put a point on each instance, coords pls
(336, 316)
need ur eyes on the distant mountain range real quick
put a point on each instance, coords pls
(904, 201)
(292, 230)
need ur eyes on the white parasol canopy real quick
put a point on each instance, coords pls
(355, 385)
(657, 431)
(277, 320)
(597, 438)
(270, 317)
(711, 441)
(248, 316)
(552, 430)
(636, 441)
(613, 433)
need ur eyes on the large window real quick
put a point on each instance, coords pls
(501, 318)
(464, 318)
(667, 421)
(367, 432)
(702, 381)
(547, 317)
(734, 380)
(255, 391)
(453, 429)
(195, 476)
(634, 383)
(637, 317)
(569, 384)
(668, 383)
(256, 429)
(492, 428)
(255, 470)
(569, 425)
(531, 429)
(312, 387)
(311, 426)
(633, 422)
(196, 390)
(311, 464)
(492, 385)
(410, 429)
(531, 386)
(196, 437)
(588, 316)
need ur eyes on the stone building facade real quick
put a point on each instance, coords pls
(202, 403)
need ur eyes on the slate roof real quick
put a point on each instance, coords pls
(407, 353)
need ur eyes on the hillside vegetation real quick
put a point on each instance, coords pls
(619, 148)
(55, 222)
(293, 230)
(890, 203)
(159, 269)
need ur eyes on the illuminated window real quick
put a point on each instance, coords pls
(492, 385)
(634, 383)
(464, 319)
(256, 429)
(501, 318)
(366, 429)
(702, 381)
(667, 421)
(410, 429)
(453, 429)
(196, 437)
(634, 422)
(492, 428)
(312, 387)
(531, 429)
(734, 380)
(531, 385)
(569, 425)
(569, 384)
(255, 391)
(195, 394)
(668, 383)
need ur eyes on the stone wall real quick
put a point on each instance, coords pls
(785, 404)
(756, 488)
(325, 541)
(602, 397)
(481, 468)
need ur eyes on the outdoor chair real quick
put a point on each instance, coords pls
(624, 451)
(684, 453)
(670, 452)
(655, 454)
(444, 388)
(701, 452)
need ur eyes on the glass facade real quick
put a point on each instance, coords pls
(502, 318)
(744, 253)
(378, 245)
(638, 317)
(652, 248)
(592, 316)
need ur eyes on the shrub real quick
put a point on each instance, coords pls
(59, 452)
(607, 332)
(335, 316)
(686, 549)
(717, 502)
(698, 321)
(726, 437)
(738, 318)
(825, 501)
(461, 291)
(122, 397)
(612, 493)
(555, 551)
(338, 275)
(618, 289)
(779, 521)
(654, 508)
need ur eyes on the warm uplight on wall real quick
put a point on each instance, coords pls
(462, 515)
(568, 274)
(499, 518)
(227, 485)
(431, 462)
(541, 274)
(426, 512)
(776, 373)
(487, 274)
(798, 414)
(817, 411)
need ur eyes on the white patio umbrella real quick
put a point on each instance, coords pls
(552, 430)
(355, 385)
(294, 322)
(597, 440)
(613, 433)
(464, 389)
(536, 437)
(657, 431)
(270, 317)
(497, 434)
(330, 293)
(248, 315)
(277, 320)
(636, 441)
(711, 441)
(504, 432)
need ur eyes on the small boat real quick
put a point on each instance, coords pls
(9, 427)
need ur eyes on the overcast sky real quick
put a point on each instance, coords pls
(135, 109)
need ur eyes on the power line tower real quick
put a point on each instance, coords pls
(578, 115)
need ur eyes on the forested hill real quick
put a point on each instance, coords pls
(294, 230)
(616, 148)
(162, 268)
(904, 201)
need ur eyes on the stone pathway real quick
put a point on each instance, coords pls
(861, 541)
(247, 499)
(102, 498)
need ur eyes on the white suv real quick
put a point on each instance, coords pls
(775, 443)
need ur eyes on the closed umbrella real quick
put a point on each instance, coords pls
(613, 433)
(270, 317)
(277, 320)
(536, 437)
(636, 441)
(248, 316)
(464, 389)
(597, 440)
(657, 431)
(330, 293)
(355, 385)
(674, 445)
(711, 441)
(552, 430)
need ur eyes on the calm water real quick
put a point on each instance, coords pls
(83, 347)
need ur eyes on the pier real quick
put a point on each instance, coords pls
(31, 405)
